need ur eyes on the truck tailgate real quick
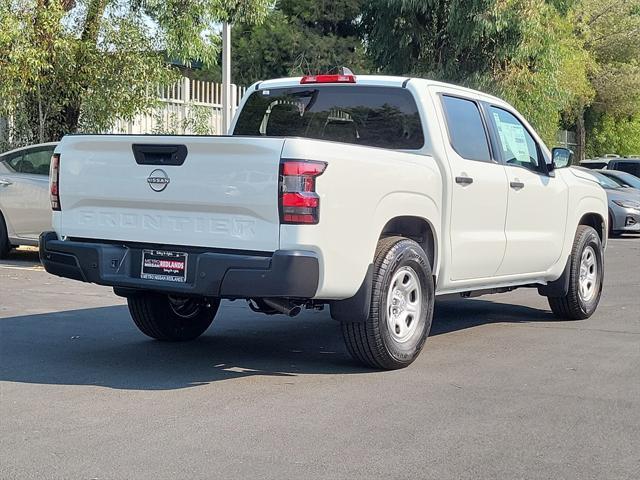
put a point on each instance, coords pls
(224, 195)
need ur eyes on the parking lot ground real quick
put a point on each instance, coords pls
(501, 391)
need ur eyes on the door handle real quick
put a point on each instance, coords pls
(464, 180)
(516, 185)
(5, 183)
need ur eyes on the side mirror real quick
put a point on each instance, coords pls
(561, 157)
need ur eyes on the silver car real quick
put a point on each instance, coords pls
(25, 210)
(624, 204)
(624, 179)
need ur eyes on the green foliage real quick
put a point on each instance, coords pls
(31, 46)
(614, 135)
(610, 28)
(546, 76)
(521, 50)
(611, 32)
(617, 86)
(264, 51)
(186, 30)
(68, 66)
(116, 75)
(195, 121)
(299, 37)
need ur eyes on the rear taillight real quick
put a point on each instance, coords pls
(54, 182)
(299, 202)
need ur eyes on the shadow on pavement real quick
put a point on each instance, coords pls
(24, 256)
(460, 314)
(101, 346)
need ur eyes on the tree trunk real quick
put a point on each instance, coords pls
(90, 31)
(41, 119)
(581, 136)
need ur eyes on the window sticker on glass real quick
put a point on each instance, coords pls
(513, 139)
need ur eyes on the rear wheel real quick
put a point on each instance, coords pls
(5, 246)
(170, 318)
(585, 278)
(401, 309)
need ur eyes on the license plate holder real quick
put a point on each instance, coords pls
(163, 265)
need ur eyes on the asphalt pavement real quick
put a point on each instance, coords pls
(501, 391)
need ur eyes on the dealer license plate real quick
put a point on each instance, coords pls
(163, 265)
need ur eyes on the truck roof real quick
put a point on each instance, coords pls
(376, 80)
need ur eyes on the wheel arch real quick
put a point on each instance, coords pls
(416, 228)
(559, 286)
(5, 242)
(597, 222)
(11, 233)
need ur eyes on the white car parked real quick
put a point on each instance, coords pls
(25, 211)
(370, 195)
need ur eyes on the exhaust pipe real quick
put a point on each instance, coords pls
(283, 306)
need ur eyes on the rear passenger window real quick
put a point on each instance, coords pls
(37, 161)
(10, 162)
(466, 131)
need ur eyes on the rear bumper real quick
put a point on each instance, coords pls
(285, 273)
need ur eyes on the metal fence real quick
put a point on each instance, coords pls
(187, 107)
(567, 139)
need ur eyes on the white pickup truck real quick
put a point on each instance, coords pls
(371, 195)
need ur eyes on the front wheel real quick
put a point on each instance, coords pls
(401, 309)
(586, 276)
(169, 318)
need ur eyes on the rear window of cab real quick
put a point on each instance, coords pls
(385, 117)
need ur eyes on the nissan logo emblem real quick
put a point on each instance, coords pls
(158, 180)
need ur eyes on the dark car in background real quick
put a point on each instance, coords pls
(628, 165)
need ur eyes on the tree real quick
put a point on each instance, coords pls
(521, 50)
(610, 31)
(300, 37)
(614, 135)
(68, 66)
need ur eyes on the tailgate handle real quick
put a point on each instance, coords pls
(146, 154)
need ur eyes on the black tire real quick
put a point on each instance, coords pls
(5, 245)
(373, 342)
(163, 318)
(574, 305)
